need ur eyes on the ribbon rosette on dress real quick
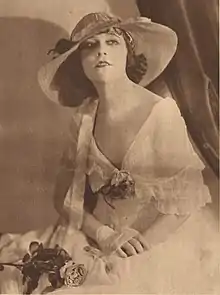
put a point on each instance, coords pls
(73, 274)
(120, 186)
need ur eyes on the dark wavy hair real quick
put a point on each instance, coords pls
(71, 82)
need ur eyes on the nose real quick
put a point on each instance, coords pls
(101, 53)
(102, 48)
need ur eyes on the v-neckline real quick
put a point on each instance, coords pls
(127, 151)
(130, 146)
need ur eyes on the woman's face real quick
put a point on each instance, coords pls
(104, 57)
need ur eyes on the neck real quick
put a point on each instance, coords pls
(114, 94)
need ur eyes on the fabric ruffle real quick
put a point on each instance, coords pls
(182, 194)
(179, 187)
(98, 176)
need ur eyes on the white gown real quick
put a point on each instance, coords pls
(167, 174)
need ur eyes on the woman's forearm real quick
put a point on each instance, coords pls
(90, 225)
(162, 228)
(158, 232)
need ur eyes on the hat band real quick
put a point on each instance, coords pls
(87, 33)
(92, 30)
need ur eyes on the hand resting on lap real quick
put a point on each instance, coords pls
(126, 243)
(134, 246)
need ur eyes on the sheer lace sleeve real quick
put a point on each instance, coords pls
(179, 188)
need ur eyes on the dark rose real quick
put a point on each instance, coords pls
(120, 186)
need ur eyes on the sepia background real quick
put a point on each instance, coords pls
(33, 130)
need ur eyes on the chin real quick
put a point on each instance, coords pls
(104, 75)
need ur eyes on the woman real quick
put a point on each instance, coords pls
(133, 176)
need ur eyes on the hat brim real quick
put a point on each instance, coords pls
(156, 42)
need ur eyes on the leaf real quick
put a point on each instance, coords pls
(29, 285)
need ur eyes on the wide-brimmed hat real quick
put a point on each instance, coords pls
(156, 42)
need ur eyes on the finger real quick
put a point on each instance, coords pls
(143, 242)
(128, 249)
(121, 253)
(137, 245)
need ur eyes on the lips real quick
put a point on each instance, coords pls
(102, 64)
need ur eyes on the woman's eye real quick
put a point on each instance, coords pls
(112, 42)
(88, 45)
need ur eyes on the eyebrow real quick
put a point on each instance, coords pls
(93, 38)
(110, 32)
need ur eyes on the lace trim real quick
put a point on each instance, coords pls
(181, 194)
